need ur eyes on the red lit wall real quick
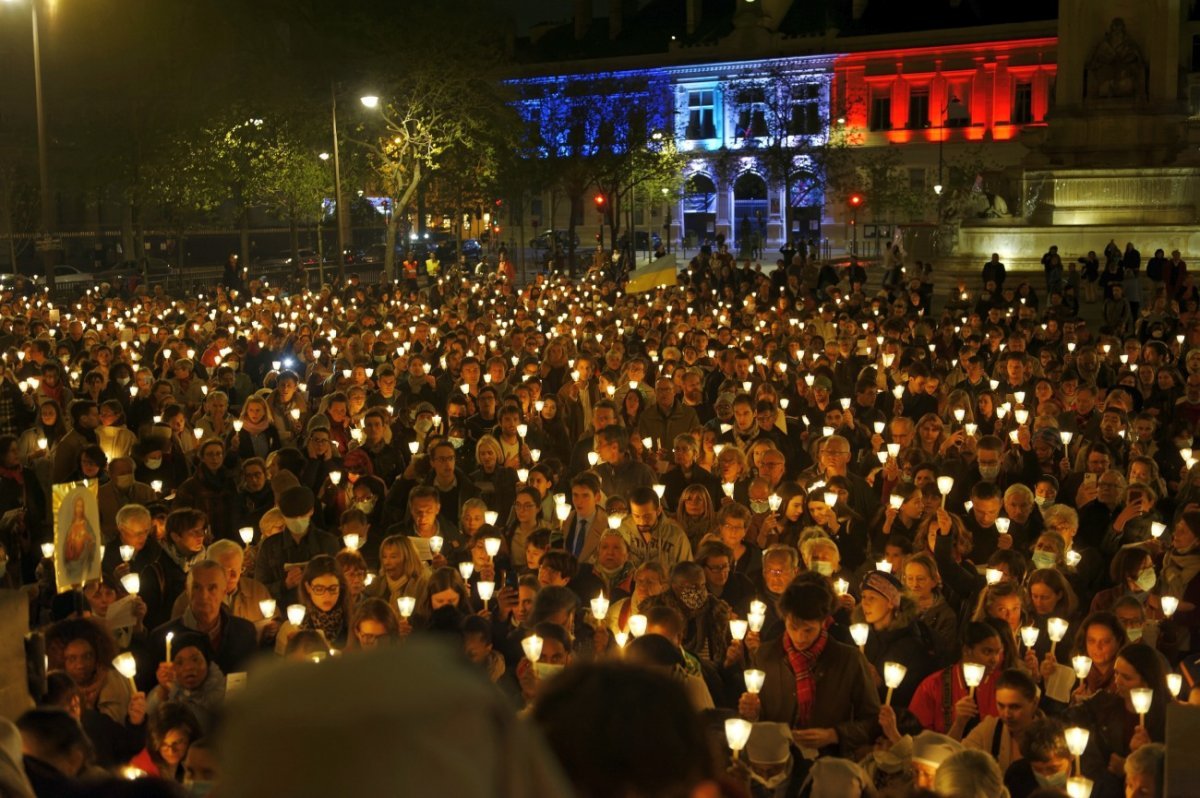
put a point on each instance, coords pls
(984, 77)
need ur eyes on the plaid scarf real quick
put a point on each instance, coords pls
(801, 663)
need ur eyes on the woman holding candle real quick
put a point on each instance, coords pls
(496, 482)
(1118, 722)
(1051, 596)
(527, 519)
(896, 634)
(172, 729)
(829, 510)
(902, 514)
(1180, 567)
(191, 677)
(401, 572)
(923, 581)
(1001, 735)
(945, 536)
(445, 597)
(733, 522)
(83, 648)
(375, 623)
(1100, 637)
(48, 428)
(970, 684)
(815, 684)
(695, 513)
(1132, 572)
(258, 435)
(326, 601)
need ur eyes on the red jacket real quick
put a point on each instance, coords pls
(929, 705)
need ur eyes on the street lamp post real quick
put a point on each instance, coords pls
(667, 226)
(339, 207)
(44, 242)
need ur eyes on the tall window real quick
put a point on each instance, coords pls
(881, 112)
(806, 110)
(701, 115)
(918, 107)
(752, 113)
(1022, 112)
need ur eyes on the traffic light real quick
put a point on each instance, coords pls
(855, 200)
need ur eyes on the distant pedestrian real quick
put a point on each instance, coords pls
(231, 276)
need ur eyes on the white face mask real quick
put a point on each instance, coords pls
(1044, 559)
(367, 505)
(545, 670)
(823, 568)
(1146, 579)
(297, 526)
(154, 463)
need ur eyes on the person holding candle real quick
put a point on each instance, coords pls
(967, 705)
(232, 639)
(327, 604)
(686, 473)
(258, 436)
(173, 727)
(445, 602)
(815, 684)
(944, 535)
(401, 572)
(163, 579)
(901, 514)
(83, 648)
(694, 512)
(1132, 573)
(1051, 596)
(1180, 568)
(923, 581)
(896, 633)
(191, 678)
(287, 407)
(495, 481)
(1117, 725)
(374, 623)
(1002, 734)
(706, 633)
(1046, 762)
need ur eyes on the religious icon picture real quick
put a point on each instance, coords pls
(76, 534)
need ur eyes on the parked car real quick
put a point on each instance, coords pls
(472, 249)
(548, 238)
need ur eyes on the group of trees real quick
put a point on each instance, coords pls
(174, 116)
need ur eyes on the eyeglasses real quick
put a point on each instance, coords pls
(777, 571)
(325, 590)
(717, 569)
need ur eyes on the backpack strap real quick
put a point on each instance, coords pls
(997, 734)
(947, 698)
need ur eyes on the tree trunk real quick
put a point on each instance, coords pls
(389, 248)
(129, 253)
(294, 243)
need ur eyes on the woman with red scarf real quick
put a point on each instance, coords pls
(817, 685)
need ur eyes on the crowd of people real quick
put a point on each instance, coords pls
(761, 533)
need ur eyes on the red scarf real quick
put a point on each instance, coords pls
(15, 474)
(801, 663)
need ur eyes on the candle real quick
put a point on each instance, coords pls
(351, 540)
(895, 501)
(860, 632)
(1002, 525)
(600, 607)
(1029, 635)
(126, 665)
(637, 625)
(737, 732)
(1057, 629)
(491, 545)
(406, 605)
(132, 583)
(127, 553)
(738, 628)
(1077, 740)
(267, 608)
(993, 575)
(532, 646)
(831, 498)
(335, 477)
(435, 545)
(660, 489)
(973, 674)
(1082, 665)
(893, 676)
(622, 638)
(841, 586)
(883, 565)
(465, 569)
(1079, 787)
(1157, 528)
(1174, 684)
(170, 637)
(774, 501)
(727, 489)
(486, 591)
(1169, 605)
(1141, 698)
(296, 613)
(754, 680)
(247, 534)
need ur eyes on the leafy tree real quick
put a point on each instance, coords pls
(184, 178)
